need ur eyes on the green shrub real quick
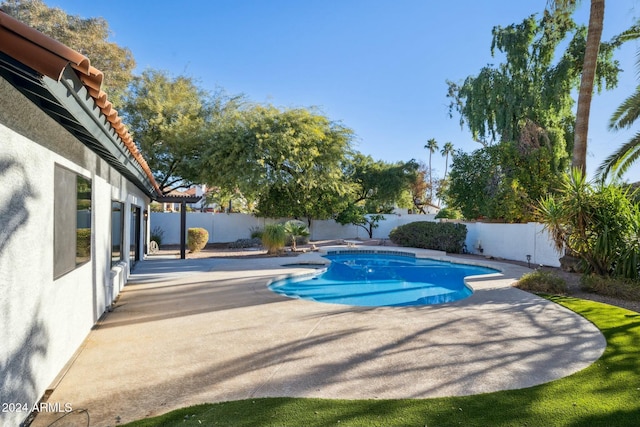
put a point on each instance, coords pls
(611, 287)
(441, 236)
(449, 213)
(157, 234)
(245, 243)
(274, 238)
(256, 232)
(197, 239)
(542, 281)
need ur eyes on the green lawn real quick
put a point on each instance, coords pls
(604, 394)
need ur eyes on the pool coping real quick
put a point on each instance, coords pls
(507, 275)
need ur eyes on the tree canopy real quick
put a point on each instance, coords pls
(291, 161)
(378, 187)
(89, 36)
(524, 104)
(529, 87)
(170, 120)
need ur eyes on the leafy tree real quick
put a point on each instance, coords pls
(529, 96)
(170, 118)
(290, 161)
(500, 181)
(357, 215)
(229, 201)
(378, 187)
(85, 35)
(525, 105)
(449, 213)
(420, 188)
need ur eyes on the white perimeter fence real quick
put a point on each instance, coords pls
(508, 241)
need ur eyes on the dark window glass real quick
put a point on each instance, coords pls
(117, 222)
(134, 235)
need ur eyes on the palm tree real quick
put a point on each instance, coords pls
(432, 146)
(594, 34)
(446, 151)
(626, 114)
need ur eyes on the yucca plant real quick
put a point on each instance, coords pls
(598, 223)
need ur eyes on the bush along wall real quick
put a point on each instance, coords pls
(197, 238)
(441, 236)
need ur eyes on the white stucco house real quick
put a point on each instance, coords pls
(74, 196)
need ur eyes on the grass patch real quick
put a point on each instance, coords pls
(606, 393)
(542, 282)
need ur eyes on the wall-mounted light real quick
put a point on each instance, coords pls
(145, 214)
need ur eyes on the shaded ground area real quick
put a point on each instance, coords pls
(209, 330)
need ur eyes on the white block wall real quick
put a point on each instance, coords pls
(508, 241)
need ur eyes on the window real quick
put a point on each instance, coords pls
(117, 230)
(71, 221)
(134, 235)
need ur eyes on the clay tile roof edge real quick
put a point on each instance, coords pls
(50, 57)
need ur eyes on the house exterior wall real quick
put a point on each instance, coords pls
(43, 321)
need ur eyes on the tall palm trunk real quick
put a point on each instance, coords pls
(430, 179)
(594, 34)
(446, 165)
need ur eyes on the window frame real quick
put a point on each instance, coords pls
(120, 219)
(68, 255)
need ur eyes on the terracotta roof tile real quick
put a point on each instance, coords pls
(50, 57)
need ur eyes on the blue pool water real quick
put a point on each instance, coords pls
(383, 280)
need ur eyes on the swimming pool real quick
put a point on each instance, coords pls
(390, 279)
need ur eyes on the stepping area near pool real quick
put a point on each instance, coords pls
(193, 331)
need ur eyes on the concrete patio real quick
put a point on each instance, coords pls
(192, 331)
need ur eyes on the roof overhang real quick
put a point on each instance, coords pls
(178, 199)
(63, 84)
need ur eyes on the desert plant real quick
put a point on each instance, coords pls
(542, 281)
(197, 239)
(611, 287)
(445, 236)
(598, 223)
(157, 234)
(274, 238)
(256, 232)
(295, 230)
(245, 243)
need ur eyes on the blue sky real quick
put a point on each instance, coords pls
(379, 67)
